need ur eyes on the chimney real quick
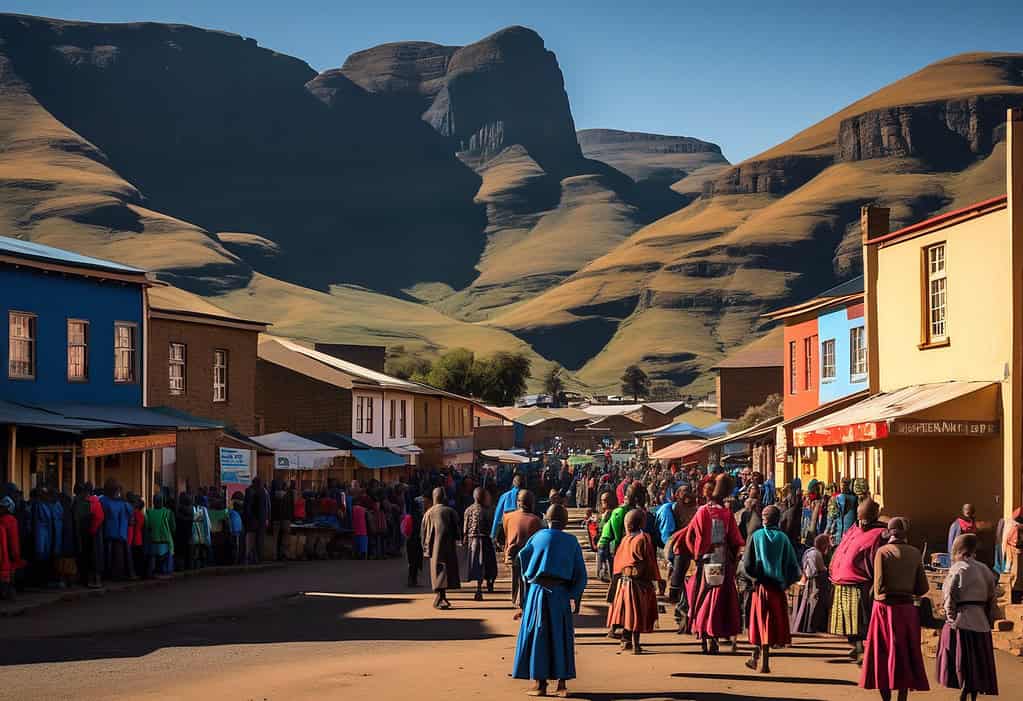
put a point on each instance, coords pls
(874, 222)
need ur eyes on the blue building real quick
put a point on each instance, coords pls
(72, 380)
(843, 341)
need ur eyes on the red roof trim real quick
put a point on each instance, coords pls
(974, 210)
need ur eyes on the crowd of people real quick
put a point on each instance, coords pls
(746, 561)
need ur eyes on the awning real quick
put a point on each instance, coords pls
(340, 441)
(378, 458)
(292, 452)
(505, 456)
(760, 430)
(905, 412)
(679, 450)
(20, 415)
(580, 459)
(80, 418)
(407, 450)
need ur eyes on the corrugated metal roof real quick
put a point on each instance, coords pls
(285, 441)
(535, 417)
(767, 351)
(893, 405)
(611, 409)
(126, 416)
(678, 450)
(849, 287)
(39, 252)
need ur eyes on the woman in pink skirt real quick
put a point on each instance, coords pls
(892, 658)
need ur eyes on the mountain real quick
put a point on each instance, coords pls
(681, 292)
(432, 196)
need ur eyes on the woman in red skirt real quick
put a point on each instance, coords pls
(770, 561)
(892, 660)
(634, 608)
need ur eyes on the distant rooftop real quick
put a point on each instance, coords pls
(30, 251)
(765, 352)
(849, 287)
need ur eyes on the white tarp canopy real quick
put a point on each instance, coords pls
(504, 456)
(292, 452)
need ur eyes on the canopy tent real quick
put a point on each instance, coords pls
(679, 450)
(379, 458)
(292, 452)
(505, 456)
(899, 413)
(685, 429)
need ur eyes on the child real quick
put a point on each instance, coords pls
(236, 531)
(966, 658)
(607, 505)
(634, 608)
(136, 536)
(592, 526)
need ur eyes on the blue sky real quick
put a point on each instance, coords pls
(745, 75)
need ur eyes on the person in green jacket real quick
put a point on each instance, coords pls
(604, 554)
(160, 538)
(635, 498)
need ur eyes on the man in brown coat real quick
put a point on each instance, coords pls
(440, 544)
(519, 526)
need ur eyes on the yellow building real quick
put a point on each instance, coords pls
(944, 310)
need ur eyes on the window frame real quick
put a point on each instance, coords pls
(84, 345)
(793, 374)
(224, 386)
(808, 346)
(856, 374)
(931, 278)
(403, 418)
(833, 365)
(359, 414)
(32, 340)
(132, 350)
(173, 362)
(392, 422)
(369, 416)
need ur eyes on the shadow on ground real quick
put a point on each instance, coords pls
(679, 696)
(299, 618)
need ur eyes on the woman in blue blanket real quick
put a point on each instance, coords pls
(552, 563)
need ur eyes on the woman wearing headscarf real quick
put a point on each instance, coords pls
(852, 574)
(966, 657)
(634, 608)
(892, 659)
(770, 561)
(714, 540)
(792, 519)
(814, 601)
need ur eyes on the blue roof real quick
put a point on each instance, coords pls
(114, 416)
(19, 415)
(39, 252)
(377, 458)
(687, 429)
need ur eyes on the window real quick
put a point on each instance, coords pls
(77, 350)
(828, 369)
(402, 420)
(857, 351)
(220, 375)
(792, 367)
(857, 463)
(808, 345)
(124, 351)
(392, 420)
(21, 348)
(364, 415)
(176, 369)
(937, 291)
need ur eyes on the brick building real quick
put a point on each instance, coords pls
(201, 360)
(749, 376)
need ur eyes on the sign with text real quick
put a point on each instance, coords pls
(945, 427)
(235, 466)
(95, 447)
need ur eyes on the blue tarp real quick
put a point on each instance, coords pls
(378, 458)
(686, 429)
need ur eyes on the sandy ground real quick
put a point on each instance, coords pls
(353, 630)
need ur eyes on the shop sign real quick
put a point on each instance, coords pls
(235, 466)
(942, 427)
(305, 460)
(838, 435)
(96, 447)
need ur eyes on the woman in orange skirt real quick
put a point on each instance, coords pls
(634, 608)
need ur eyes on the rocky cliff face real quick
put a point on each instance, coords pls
(644, 156)
(774, 176)
(943, 133)
(504, 90)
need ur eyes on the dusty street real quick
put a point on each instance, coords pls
(353, 630)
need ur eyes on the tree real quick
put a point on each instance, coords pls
(635, 383)
(554, 384)
(407, 367)
(753, 415)
(501, 378)
(455, 371)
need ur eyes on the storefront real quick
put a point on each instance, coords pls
(924, 451)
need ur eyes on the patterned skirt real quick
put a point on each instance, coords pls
(850, 614)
